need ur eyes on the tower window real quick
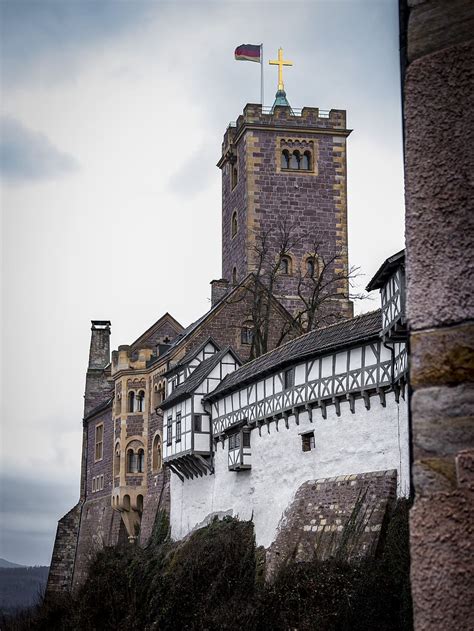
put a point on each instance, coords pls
(234, 224)
(306, 161)
(117, 459)
(307, 441)
(234, 175)
(156, 454)
(295, 160)
(285, 159)
(141, 461)
(285, 265)
(234, 276)
(99, 441)
(131, 401)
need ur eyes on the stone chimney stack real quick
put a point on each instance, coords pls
(99, 353)
(219, 288)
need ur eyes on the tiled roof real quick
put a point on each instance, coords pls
(196, 377)
(319, 341)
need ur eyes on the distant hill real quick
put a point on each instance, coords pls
(5, 563)
(21, 587)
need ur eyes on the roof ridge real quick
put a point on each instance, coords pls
(313, 331)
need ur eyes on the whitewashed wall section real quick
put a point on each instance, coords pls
(367, 440)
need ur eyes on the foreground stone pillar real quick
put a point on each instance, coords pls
(439, 168)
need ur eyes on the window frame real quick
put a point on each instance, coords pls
(99, 442)
(308, 441)
(178, 427)
(169, 431)
(288, 378)
(197, 417)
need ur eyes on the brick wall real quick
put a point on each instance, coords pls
(344, 514)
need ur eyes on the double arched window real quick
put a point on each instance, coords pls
(296, 160)
(135, 460)
(136, 401)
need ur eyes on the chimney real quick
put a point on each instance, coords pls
(99, 353)
(219, 288)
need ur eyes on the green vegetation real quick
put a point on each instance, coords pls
(213, 581)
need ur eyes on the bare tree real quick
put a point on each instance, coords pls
(320, 284)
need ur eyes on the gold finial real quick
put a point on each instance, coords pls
(280, 63)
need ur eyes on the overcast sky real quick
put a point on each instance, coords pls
(112, 122)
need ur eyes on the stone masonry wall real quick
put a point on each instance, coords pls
(439, 162)
(64, 552)
(314, 203)
(331, 516)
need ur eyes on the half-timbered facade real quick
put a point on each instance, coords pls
(329, 403)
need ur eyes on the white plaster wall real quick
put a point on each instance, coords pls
(369, 440)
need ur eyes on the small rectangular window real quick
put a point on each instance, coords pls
(308, 442)
(234, 441)
(178, 427)
(289, 378)
(246, 439)
(169, 431)
(246, 335)
(197, 423)
(99, 441)
(93, 485)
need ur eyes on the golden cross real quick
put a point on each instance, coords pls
(280, 63)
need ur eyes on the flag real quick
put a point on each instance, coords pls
(248, 52)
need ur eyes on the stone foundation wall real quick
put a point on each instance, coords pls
(334, 517)
(64, 552)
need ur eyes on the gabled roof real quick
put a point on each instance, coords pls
(386, 270)
(167, 317)
(314, 343)
(191, 354)
(196, 377)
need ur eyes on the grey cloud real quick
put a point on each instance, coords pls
(194, 175)
(31, 30)
(29, 155)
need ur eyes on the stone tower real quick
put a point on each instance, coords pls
(97, 385)
(282, 166)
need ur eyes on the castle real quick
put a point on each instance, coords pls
(276, 405)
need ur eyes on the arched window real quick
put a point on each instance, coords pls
(310, 267)
(117, 459)
(131, 401)
(306, 161)
(118, 404)
(140, 401)
(295, 160)
(234, 175)
(285, 159)
(285, 265)
(132, 461)
(156, 454)
(140, 461)
(234, 223)
(234, 276)
(140, 503)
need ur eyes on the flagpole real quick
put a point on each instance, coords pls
(261, 73)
